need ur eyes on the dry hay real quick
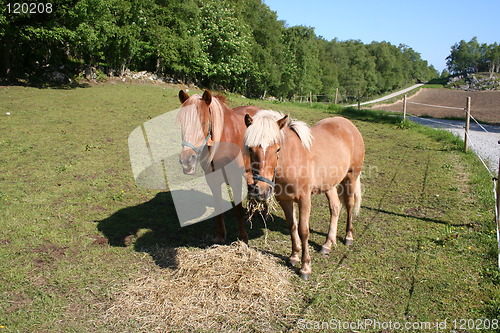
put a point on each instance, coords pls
(262, 208)
(220, 288)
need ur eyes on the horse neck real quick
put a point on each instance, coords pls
(218, 115)
(292, 150)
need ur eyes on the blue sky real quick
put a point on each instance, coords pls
(430, 27)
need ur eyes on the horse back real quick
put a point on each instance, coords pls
(234, 124)
(337, 141)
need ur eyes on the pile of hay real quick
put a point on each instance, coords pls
(220, 288)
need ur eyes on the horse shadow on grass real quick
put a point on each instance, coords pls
(153, 227)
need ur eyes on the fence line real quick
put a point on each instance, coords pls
(496, 190)
(467, 141)
(484, 129)
(481, 159)
(437, 106)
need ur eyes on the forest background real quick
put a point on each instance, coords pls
(239, 46)
(233, 45)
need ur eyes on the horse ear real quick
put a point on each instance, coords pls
(282, 122)
(248, 120)
(183, 96)
(207, 97)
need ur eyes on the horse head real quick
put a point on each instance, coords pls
(196, 128)
(263, 143)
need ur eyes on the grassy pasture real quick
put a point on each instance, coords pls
(74, 228)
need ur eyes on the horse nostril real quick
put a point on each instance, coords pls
(253, 189)
(189, 160)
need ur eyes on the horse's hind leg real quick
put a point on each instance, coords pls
(352, 200)
(220, 230)
(304, 214)
(291, 221)
(335, 206)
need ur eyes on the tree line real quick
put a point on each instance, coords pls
(472, 57)
(238, 45)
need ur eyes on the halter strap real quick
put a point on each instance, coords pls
(197, 150)
(264, 179)
(206, 142)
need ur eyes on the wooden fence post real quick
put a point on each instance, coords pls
(336, 95)
(404, 108)
(467, 125)
(497, 210)
(310, 98)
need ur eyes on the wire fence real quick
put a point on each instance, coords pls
(436, 106)
(471, 141)
(335, 98)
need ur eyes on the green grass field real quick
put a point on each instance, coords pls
(74, 228)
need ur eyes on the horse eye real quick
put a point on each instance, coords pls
(278, 150)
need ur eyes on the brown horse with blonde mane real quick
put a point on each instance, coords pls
(212, 135)
(295, 162)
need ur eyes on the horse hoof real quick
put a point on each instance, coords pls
(349, 241)
(325, 251)
(293, 262)
(305, 276)
(218, 240)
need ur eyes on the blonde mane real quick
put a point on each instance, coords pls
(193, 126)
(264, 130)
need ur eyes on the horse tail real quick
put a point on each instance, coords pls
(357, 195)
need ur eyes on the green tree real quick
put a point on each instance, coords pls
(30, 42)
(225, 45)
(303, 71)
(330, 61)
(492, 57)
(173, 45)
(465, 57)
(266, 46)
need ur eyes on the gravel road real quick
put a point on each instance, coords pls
(394, 94)
(485, 144)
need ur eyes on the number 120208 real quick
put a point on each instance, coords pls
(29, 8)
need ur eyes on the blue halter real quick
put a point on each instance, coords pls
(264, 179)
(197, 150)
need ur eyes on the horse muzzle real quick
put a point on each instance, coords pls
(260, 193)
(188, 163)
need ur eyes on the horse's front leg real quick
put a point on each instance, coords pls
(220, 228)
(304, 214)
(239, 212)
(233, 178)
(291, 221)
